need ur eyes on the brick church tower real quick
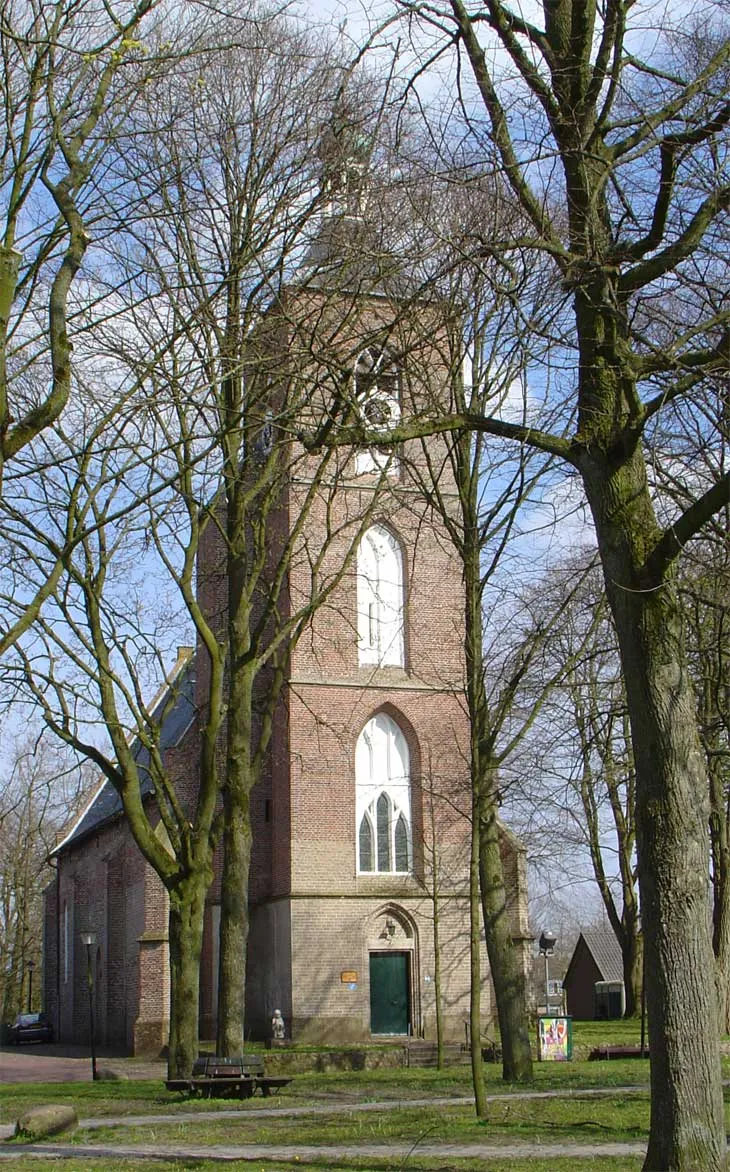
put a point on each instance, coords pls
(368, 780)
(360, 822)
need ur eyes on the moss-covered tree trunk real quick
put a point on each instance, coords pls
(672, 808)
(507, 974)
(708, 615)
(475, 972)
(504, 962)
(632, 955)
(237, 781)
(436, 911)
(720, 842)
(187, 908)
(234, 923)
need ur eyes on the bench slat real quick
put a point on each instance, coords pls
(242, 1086)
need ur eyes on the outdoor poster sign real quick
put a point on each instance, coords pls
(554, 1038)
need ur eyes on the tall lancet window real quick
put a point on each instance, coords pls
(383, 798)
(380, 598)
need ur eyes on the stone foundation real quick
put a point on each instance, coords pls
(150, 1039)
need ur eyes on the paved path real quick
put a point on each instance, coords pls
(60, 1063)
(396, 1152)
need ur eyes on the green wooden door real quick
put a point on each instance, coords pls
(389, 993)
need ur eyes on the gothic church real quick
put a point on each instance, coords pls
(360, 822)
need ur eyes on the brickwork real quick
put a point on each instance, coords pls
(330, 916)
(106, 888)
(49, 972)
(318, 925)
(333, 981)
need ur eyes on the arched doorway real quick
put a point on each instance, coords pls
(393, 973)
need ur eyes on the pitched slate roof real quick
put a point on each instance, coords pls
(604, 948)
(106, 804)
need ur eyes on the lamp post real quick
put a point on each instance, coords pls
(546, 945)
(30, 966)
(89, 939)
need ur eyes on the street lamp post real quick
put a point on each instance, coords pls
(547, 944)
(89, 939)
(31, 966)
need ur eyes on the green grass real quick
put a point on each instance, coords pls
(412, 1164)
(574, 1118)
(622, 1118)
(150, 1097)
(510, 1120)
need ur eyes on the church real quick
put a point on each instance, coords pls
(358, 892)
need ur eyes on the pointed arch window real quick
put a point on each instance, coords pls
(380, 598)
(383, 798)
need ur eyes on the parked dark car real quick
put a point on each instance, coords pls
(30, 1027)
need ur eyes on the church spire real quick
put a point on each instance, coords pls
(344, 153)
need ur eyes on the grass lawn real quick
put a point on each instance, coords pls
(574, 1118)
(412, 1164)
(150, 1097)
(622, 1118)
(510, 1120)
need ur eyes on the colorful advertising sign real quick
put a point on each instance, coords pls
(554, 1038)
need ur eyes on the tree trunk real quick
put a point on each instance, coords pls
(632, 954)
(237, 836)
(721, 895)
(187, 908)
(475, 947)
(436, 904)
(509, 985)
(234, 922)
(687, 1121)
(507, 975)
(238, 783)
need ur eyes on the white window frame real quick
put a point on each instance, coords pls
(380, 599)
(382, 769)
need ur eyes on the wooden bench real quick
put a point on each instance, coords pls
(606, 1051)
(228, 1078)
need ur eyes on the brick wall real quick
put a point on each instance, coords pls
(313, 917)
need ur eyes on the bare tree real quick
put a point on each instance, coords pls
(224, 337)
(67, 70)
(479, 494)
(271, 142)
(630, 208)
(590, 781)
(42, 789)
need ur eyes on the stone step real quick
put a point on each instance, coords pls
(425, 1054)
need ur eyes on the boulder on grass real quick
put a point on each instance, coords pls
(40, 1122)
(106, 1074)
